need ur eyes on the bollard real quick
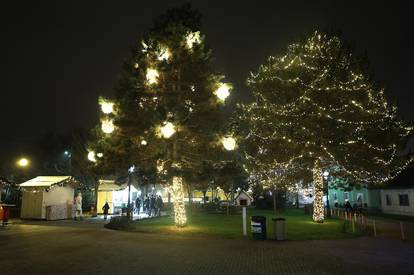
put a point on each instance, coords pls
(402, 231)
(353, 226)
(244, 222)
(375, 229)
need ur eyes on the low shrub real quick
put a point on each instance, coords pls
(119, 223)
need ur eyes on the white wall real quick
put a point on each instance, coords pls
(395, 207)
(34, 204)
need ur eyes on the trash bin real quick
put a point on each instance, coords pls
(279, 229)
(258, 227)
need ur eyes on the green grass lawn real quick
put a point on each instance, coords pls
(298, 225)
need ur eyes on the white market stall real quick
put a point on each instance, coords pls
(48, 197)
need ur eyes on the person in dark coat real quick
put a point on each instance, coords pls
(160, 205)
(153, 205)
(348, 207)
(146, 205)
(105, 209)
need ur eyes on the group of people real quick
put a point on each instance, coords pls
(151, 205)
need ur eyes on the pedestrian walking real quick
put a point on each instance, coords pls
(105, 209)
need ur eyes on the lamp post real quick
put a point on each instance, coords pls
(130, 171)
(326, 177)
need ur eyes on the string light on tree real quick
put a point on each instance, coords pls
(91, 156)
(107, 126)
(229, 143)
(193, 38)
(223, 91)
(178, 197)
(152, 76)
(164, 54)
(167, 130)
(107, 107)
(315, 103)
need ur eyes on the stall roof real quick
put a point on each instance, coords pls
(110, 185)
(45, 181)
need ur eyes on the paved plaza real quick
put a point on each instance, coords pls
(86, 247)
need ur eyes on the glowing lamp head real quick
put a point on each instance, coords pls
(91, 156)
(223, 91)
(229, 143)
(107, 126)
(144, 142)
(167, 130)
(107, 107)
(326, 173)
(23, 162)
(99, 155)
(152, 76)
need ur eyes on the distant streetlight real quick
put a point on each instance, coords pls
(66, 153)
(23, 162)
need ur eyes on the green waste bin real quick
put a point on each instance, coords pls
(258, 227)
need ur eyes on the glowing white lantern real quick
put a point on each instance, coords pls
(107, 126)
(229, 143)
(99, 155)
(91, 156)
(152, 76)
(223, 91)
(107, 107)
(144, 142)
(167, 130)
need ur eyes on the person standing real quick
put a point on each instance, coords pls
(153, 206)
(105, 209)
(160, 205)
(78, 206)
(138, 205)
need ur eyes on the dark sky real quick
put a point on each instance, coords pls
(61, 55)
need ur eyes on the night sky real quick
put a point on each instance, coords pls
(61, 55)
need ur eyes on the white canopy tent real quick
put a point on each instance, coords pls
(47, 197)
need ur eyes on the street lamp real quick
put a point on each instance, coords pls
(23, 162)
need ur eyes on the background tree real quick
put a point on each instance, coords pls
(168, 104)
(314, 108)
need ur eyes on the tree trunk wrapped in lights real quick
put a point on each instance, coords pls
(315, 103)
(318, 208)
(168, 106)
(178, 197)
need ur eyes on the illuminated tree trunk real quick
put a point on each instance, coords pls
(178, 193)
(178, 197)
(318, 215)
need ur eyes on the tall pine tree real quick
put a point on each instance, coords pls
(168, 109)
(315, 108)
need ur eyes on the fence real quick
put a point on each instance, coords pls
(375, 226)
